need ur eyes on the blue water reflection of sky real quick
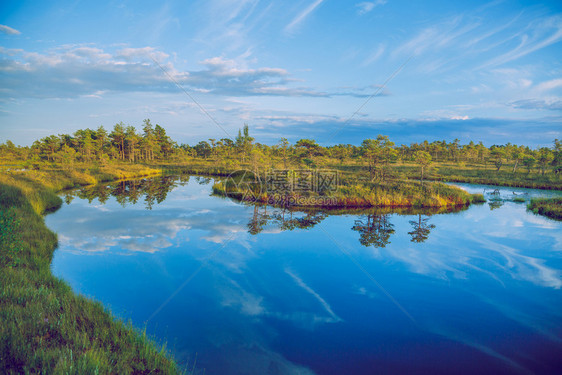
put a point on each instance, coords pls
(483, 291)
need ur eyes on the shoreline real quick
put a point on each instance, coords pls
(48, 327)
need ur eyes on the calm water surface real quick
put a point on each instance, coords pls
(255, 290)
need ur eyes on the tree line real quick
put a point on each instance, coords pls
(152, 144)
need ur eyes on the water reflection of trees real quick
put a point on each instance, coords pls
(154, 191)
(282, 219)
(421, 229)
(374, 229)
(495, 199)
(202, 180)
(374, 226)
(258, 220)
(495, 203)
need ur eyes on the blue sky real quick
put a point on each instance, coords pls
(489, 71)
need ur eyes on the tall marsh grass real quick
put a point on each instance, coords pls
(550, 207)
(46, 328)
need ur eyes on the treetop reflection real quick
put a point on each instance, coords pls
(154, 190)
(374, 225)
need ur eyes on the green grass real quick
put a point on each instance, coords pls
(470, 173)
(550, 207)
(354, 194)
(478, 198)
(476, 174)
(45, 327)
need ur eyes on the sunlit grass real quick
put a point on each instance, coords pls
(351, 193)
(46, 328)
(470, 173)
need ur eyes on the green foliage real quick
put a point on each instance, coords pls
(379, 153)
(423, 159)
(243, 142)
(203, 149)
(379, 158)
(550, 207)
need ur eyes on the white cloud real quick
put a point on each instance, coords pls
(225, 67)
(230, 25)
(539, 34)
(302, 16)
(334, 318)
(130, 54)
(465, 39)
(479, 38)
(86, 71)
(8, 30)
(375, 55)
(73, 71)
(367, 6)
(443, 114)
(437, 37)
(481, 88)
(549, 85)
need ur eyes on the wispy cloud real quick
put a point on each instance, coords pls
(375, 55)
(436, 37)
(466, 40)
(367, 6)
(549, 85)
(554, 104)
(539, 34)
(8, 30)
(230, 23)
(227, 77)
(73, 71)
(333, 317)
(86, 71)
(302, 16)
(481, 37)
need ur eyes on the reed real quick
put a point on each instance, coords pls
(46, 327)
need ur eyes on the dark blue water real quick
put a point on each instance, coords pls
(254, 290)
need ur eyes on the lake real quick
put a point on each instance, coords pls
(240, 289)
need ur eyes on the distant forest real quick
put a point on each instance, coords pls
(152, 144)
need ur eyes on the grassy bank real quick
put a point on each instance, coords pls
(550, 207)
(354, 191)
(46, 328)
(469, 173)
(439, 172)
(477, 174)
(390, 194)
